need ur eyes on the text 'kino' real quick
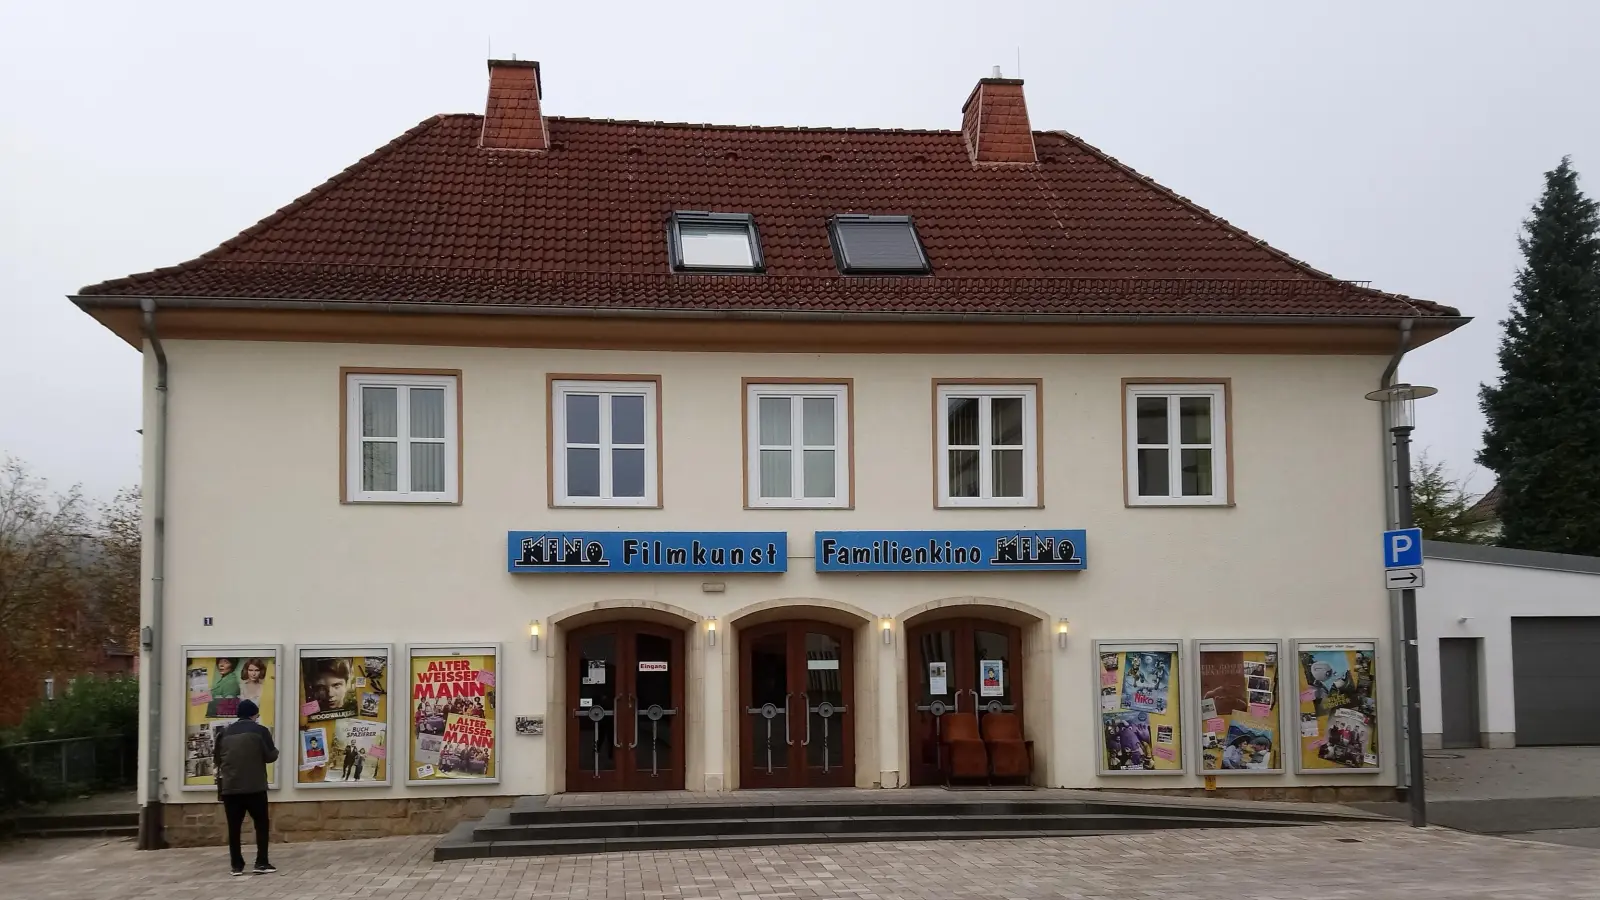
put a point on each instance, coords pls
(1020, 550)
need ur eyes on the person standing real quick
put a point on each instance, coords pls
(243, 752)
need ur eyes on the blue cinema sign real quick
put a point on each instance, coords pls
(951, 551)
(652, 552)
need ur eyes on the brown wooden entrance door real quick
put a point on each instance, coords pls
(625, 708)
(966, 667)
(796, 695)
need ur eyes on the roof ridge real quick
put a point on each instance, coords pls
(338, 178)
(717, 126)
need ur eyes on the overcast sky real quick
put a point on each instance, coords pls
(1396, 142)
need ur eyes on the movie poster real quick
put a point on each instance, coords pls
(1338, 704)
(453, 717)
(343, 709)
(1141, 720)
(215, 683)
(1239, 713)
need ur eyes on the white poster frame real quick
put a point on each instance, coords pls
(1173, 645)
(453, 649)
(189, 651)
(294, 701)
(1200, 646)
(1377, 720)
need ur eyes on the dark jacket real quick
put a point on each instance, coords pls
(242, 755)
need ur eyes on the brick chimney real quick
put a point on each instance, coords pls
(995, 123)
(512, 119)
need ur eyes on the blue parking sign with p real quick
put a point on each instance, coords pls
(1402, 548)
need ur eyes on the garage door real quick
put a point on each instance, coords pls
(1556, 680)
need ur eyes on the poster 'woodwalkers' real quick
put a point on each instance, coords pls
(343, 712)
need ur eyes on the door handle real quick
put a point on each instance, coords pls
(805, 704)
(786, 738)
(616, 723)
(633, 710)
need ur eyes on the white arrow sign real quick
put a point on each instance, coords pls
(1400, 579)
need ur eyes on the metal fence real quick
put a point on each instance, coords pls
(45, 770)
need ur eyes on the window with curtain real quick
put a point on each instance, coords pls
(604, 443)
(988, 445)
(402, 440)
(1176, 445)
(798, 446)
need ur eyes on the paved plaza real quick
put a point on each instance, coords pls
(1385, 860)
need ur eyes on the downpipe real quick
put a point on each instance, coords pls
(151, 815)
(1397, 624)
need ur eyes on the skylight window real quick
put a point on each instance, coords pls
(714, 242)
(877, 245)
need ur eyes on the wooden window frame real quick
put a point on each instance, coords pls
(1032, 426)
(349, 462)
(1220, 390)
(843, 390)
(555, 418)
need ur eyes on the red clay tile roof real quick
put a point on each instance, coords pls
(432, 217)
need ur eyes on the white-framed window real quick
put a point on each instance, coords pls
(1177, 445)
(403, 442)
(798, 445)
(604, 443)
(988, 445)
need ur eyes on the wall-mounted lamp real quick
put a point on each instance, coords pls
(533, 634)
(1063, 628)
(887, 624)
(711, 632)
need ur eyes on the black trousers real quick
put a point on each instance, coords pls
(236, 805)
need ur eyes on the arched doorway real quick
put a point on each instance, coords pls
(968, 667)
(796, 693)
(625, 707)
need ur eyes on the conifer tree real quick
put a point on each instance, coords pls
(1543, 434)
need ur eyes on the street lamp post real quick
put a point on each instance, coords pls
(1400, 400)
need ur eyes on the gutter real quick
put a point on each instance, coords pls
(95, 301)
(151, 816)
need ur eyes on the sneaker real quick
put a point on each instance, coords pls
(237, 872)
(265, 868)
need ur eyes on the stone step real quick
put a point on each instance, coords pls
(532, 811)
(81, 831)
(456, 851)
(36, 824)
(493, 829)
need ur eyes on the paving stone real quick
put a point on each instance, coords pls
(1369, 861)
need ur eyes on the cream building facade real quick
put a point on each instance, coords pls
(354, 480)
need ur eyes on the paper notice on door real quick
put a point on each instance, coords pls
(651, 665)
(992, 678)
(821, 664)
(585, 702)
(597, 672)
(938, 679)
